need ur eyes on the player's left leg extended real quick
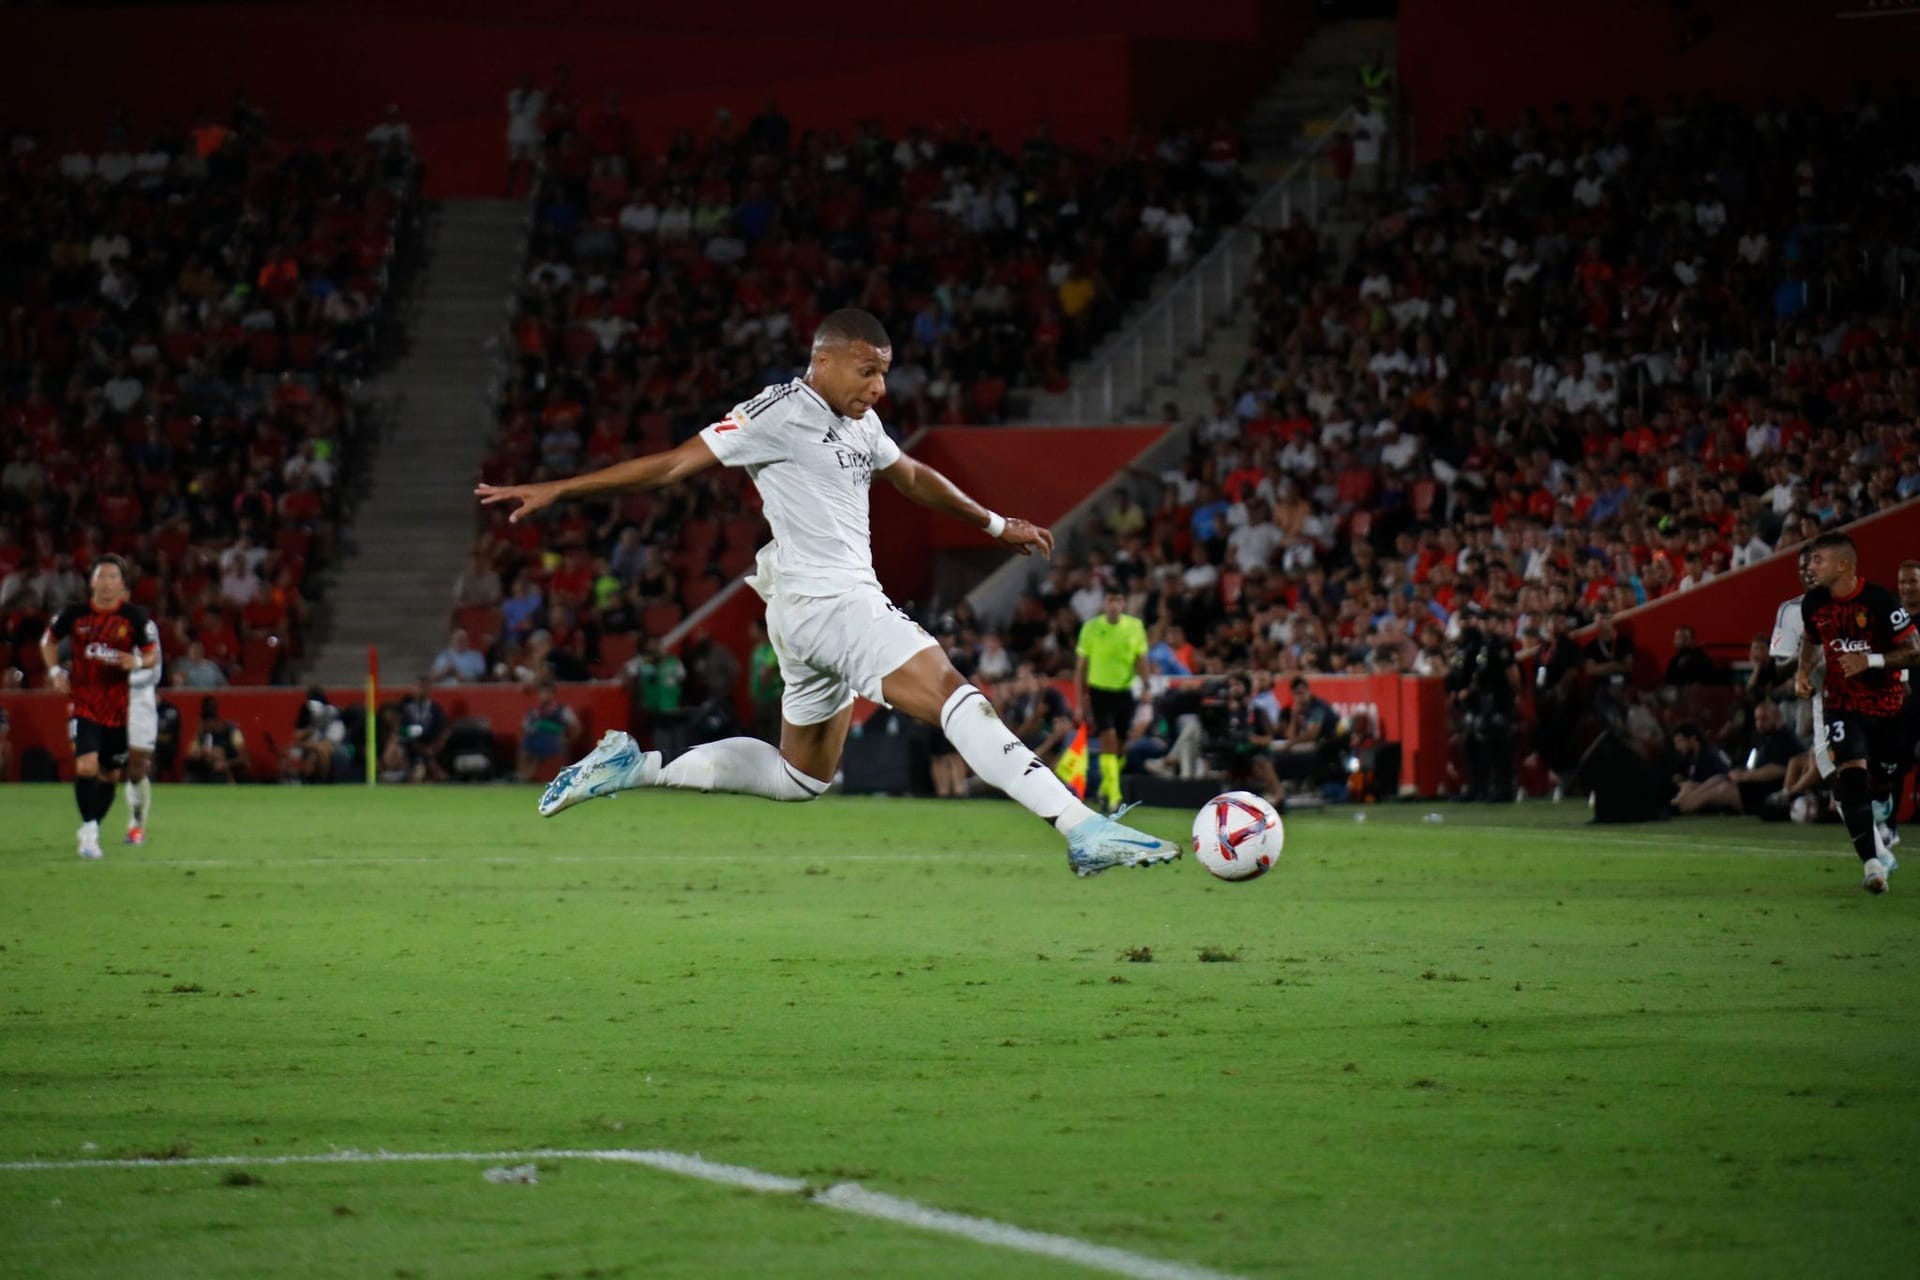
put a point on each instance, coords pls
(927, 688)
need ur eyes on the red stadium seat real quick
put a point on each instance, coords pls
(616, 650)
(303, 350)
(988, 396)
(292, 540)
(661, 618)
(742, 533)
(182, 347)
(482, 623)
(580, 344)
(699, 589)
(733, 562)
(259, 655)
(264, 351)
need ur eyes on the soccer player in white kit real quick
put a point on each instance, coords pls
(1784, 646)
(143, 731)
(812, 447)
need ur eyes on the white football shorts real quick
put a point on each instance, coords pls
(833, 647)
(143, 719)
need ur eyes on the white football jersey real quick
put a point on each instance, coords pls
(1788, 631)
(148, 677)
(813, 469)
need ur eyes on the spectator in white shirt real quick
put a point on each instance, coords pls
(107, 246)
(1254, 543)
(1753, 248)
(1523, 268)
(122, 391)
(1369, 141)
(392, 130)
(1748, 546)
(1397, 451)
(1590, 188)
(1710, 214)
(640, 216)
(1178, 230)
(524, 106)
(1201, 575)
(76, 165)
(114, 166)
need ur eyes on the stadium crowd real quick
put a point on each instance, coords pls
(185, 321)
(1567, 371)
(663, 287)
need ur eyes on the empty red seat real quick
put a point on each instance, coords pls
(661, 618)
(616, 650)
(264, 351)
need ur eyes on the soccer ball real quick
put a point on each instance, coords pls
(1237, 836)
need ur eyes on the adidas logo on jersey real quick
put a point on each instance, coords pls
(832, 437)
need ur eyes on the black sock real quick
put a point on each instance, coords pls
(83, 797)
(1851, 788)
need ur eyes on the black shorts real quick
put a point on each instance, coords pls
(1881, 741)
(1111, 709)
(91, 738)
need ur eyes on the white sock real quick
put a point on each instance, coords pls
(139, 801)
(745, 766)
(990, 749)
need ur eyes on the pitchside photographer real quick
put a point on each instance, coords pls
(1484, 683)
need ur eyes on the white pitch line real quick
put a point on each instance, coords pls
(847, 1197)
(571, 858)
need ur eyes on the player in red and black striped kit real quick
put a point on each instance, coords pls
(107, 638)
(1863, 632)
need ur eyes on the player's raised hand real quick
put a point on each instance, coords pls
(528, 498)
(1026, 538)
(58, 679)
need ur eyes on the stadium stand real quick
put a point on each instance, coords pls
(663, 288)
(186, 325)
(1566, 372)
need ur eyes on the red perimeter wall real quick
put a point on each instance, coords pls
(266, 716)
(1502, 55)
(324, 69)
(1727, 613)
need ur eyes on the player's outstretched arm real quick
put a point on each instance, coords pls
(654, 471)
(929, 488)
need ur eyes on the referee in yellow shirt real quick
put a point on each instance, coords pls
(1112, 650)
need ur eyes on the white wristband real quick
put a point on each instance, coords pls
(1876, 659)
(996, 524)
(54, 673)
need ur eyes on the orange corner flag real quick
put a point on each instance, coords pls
(1073, 763)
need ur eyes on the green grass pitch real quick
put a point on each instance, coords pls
(1504, 1045)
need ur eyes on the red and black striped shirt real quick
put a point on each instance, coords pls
(97, 639)
(1871, 620)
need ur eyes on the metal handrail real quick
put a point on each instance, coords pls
(1149, 350)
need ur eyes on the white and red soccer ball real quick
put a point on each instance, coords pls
(1237, 836)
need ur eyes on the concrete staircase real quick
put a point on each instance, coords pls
(412, 531)
(1283, 125)
(1317, 85)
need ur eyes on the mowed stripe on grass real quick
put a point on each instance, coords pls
(1498, 1045)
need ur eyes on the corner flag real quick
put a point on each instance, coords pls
(1073, 763)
